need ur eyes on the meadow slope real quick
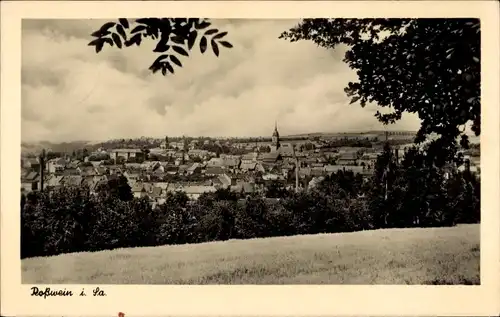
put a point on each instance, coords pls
(392, 256)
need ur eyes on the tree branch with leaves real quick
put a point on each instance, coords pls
(175, 37)
(430, 67)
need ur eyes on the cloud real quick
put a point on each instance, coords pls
(71, 93)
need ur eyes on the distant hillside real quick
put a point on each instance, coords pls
(65, 147)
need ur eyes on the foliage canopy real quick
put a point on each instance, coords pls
(430, 67)
(175, 37)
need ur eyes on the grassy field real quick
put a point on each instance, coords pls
(394, 256)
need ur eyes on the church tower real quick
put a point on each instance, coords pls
(276, 137)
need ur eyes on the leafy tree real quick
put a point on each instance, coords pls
(117, 187)
(175, 37)
(384, 188)
(430, 67)
(250, 220)
(276, 189)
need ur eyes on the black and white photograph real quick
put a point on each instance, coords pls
(163, 150)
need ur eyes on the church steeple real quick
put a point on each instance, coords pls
(276, 136)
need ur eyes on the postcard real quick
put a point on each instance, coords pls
(250, 158)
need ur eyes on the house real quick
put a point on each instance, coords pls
(101, 170)
(286, 150)
(30, 182)
(96, 163)
(141, 189)
(131, 176)
(73, 164)
(270, 157)
(182, 169)
(243, 188)
(225, 180)
(272, 177)
(56, 165)
(317, 171)
(126, 153)
(115, 169)
(53, 182)
(86, 170)
(215, 162)
(355, 169)
(194, 192)
(71, 171)
(198, 153)
(157, 196)
(317, 165)
(304, 172)
(231, 163)
(31, 163)
(248, 167)
(194, 169)
(249, 158)
(71, 180)
(214, 171)
(331, 169)
(135, 166)
(171, 169)
(349, 158)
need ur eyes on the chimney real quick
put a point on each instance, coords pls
(296, 170)
(183, 150)
(41, 160)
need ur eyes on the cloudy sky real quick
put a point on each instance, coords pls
(71, 93)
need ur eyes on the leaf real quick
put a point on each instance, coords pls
(121, 31)
(123, 22)
(175, 60)
(226, 44)
(192, 39)
(203, 44)
(203, 25)
(354, 99)
(138, 28)
(137, 39)
(215, 48)
(164, 69)
(178, 39)
(107, 26)
(160, 58)
(212, 31)
(95, 42)
(154, 67)
(475, 59)
(99, 46)
(100, 33)
(142, 20)
(117, 40)
(161, 46)
(169, 67)
(180, 50)
(220, 35)
(108, 40)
